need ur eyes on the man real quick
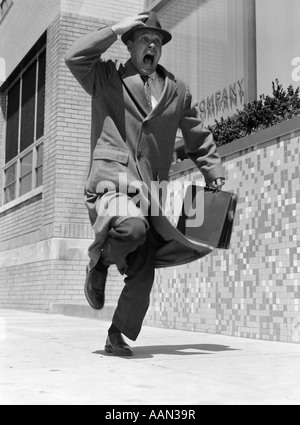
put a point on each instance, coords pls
(137, 108)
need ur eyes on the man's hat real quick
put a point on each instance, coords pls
(152, 23)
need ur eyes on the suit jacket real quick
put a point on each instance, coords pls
(129, 140)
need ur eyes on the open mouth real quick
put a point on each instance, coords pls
(148, 59)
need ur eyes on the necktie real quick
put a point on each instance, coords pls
(147, 89)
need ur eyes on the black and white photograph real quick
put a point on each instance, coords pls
(149, 205)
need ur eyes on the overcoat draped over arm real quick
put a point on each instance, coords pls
(133, 143)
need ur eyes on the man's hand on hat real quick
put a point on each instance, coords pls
(126, 24)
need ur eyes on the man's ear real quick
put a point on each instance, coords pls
(129, 45)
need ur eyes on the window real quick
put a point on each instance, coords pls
(155, 4)
(209, 38)
(25, 129)
(5, 5)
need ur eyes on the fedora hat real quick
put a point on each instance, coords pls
(152, 23)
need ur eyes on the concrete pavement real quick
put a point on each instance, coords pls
(59, 360)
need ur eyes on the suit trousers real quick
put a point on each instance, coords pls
(131, 246)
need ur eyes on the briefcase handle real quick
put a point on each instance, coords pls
(210, 189)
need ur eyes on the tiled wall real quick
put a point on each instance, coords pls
(251, 290)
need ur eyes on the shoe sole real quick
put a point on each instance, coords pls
(89, 300)
(87, 296)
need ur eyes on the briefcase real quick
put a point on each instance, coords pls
(218, 212)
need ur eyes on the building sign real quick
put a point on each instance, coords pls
(223, 102)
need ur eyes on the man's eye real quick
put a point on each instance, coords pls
(146, 40)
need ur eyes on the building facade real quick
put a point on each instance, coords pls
(229, 51)
(44, 159)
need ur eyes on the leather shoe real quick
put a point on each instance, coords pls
(94, 288)
(116, 345)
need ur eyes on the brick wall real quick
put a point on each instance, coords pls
(67, 152)
(25, 226)
(34, 286)
(70, 156)
(113, 10)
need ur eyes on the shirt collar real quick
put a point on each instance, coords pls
(153, 76)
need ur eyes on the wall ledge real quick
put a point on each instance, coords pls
(21, 201)
(291, 126)
(67, 249)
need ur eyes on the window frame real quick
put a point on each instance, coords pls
(18, 177)
(34, 146)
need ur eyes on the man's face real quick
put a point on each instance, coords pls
(145, 50)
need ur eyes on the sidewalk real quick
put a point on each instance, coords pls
(54, 359)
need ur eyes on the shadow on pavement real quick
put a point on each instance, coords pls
(178, 350)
